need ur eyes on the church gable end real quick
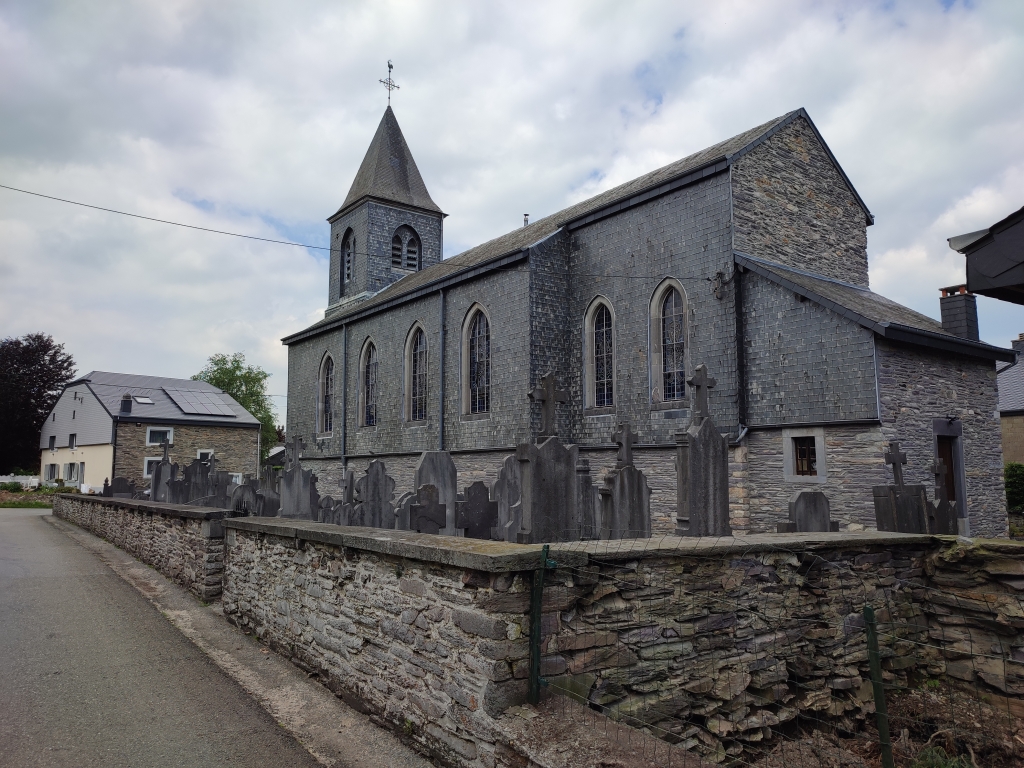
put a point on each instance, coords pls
(793, 205)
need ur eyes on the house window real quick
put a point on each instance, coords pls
(236, 478)
(603, 357)
(72, 440)
(405, 249)
(327, 395)
(205, 454)
(417, 368)
(370, 385)
(149, 463)
(805, 460)
(53, 444)
(673, 346)
(479, 370)
(72, 473)
(157, 435)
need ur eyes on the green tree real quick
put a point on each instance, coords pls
(1014, 478)
(248, 385)
(33, 372)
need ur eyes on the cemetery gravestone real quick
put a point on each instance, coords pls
(508, 493)
(899, 507)
(163, 473)
(548, 395)
(374, 492)
(477, 515)
(625, 497)
(548, 475)
(703, 507)
(402, 510)
(243, 500)
(587, 504)
(436, 468)
(942, 515)
(299, 498)
(427, 514)
(809, 513)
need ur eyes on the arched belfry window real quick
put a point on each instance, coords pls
(416, 376)
(668, 343)
(405, 249)
(599, 345)
(326, 396)
(476, 363)
(348, 246)
(368, 395)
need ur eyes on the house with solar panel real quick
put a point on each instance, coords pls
(108, 425)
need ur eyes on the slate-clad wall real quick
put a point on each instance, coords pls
(804, 363)
(684, 235)
(357, 220)
(551, 323)
(237, 449)
(792, 206)
(917, 386)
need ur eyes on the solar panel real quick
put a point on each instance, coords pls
(198, 402)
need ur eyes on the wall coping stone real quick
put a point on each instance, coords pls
(152, 507)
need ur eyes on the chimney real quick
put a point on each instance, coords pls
(126, 404)
(1018, 343)
(526, 219)
(959, 312)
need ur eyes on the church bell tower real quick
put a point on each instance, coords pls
(388, 227)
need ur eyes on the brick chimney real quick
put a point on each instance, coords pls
(959, 312)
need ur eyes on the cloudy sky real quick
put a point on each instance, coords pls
(252, 117)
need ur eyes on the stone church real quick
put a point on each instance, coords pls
(749, 257)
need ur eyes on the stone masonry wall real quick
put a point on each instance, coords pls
(718, 643)
(237, 449)
(185, 544)
(917, 386)
(791, 205)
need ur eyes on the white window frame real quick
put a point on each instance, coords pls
(201, 451)
(73, 443)
(236, 478)
(789, 455)
(168, 430)
(145, 465)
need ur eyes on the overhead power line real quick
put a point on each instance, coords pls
(164, 221)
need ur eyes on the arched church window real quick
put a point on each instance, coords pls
(479, 354)
(370, 386)
(603, 357)
(417, 381)
(326, 399)
(673, 346)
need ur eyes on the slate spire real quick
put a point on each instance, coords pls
(388, 171)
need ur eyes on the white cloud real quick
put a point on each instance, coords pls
(253, 117)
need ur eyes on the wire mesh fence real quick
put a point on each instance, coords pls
(836, 653)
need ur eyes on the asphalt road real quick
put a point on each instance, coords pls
(91, 674)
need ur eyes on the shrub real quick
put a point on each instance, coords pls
(13, 487)
(936, 757)
(1014, 478)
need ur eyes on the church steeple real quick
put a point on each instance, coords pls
(388, 225)
(388, 171)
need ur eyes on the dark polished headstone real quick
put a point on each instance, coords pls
(809, 512)
(477, 515)
(427, 514)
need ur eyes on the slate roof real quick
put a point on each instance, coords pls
(871, 310)
(110, 387)
(1011, 389)
(707, 162)
(388, 171)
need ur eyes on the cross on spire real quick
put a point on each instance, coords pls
(548, 395)
(897, 459)
(625, 438)
(701, 383)
(390, 84)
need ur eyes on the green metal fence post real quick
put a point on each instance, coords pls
(881, 710)
(536, 608)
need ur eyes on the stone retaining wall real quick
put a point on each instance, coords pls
(711, 642)
(184, 543)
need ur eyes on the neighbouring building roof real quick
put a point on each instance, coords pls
(871, 310)
(388, 171)
(1011, 389)
(170, 399)
(995, 258)
(707, 162)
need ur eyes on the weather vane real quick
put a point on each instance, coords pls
(390, 84)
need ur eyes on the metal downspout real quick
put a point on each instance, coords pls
(440, 373)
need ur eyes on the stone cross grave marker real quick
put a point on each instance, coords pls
(897, 459)
(427, 514)
(548, 395)
(478, 515)
(624, 438)
(701, 383)
(293, 451)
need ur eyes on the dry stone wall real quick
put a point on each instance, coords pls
(186, 544)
